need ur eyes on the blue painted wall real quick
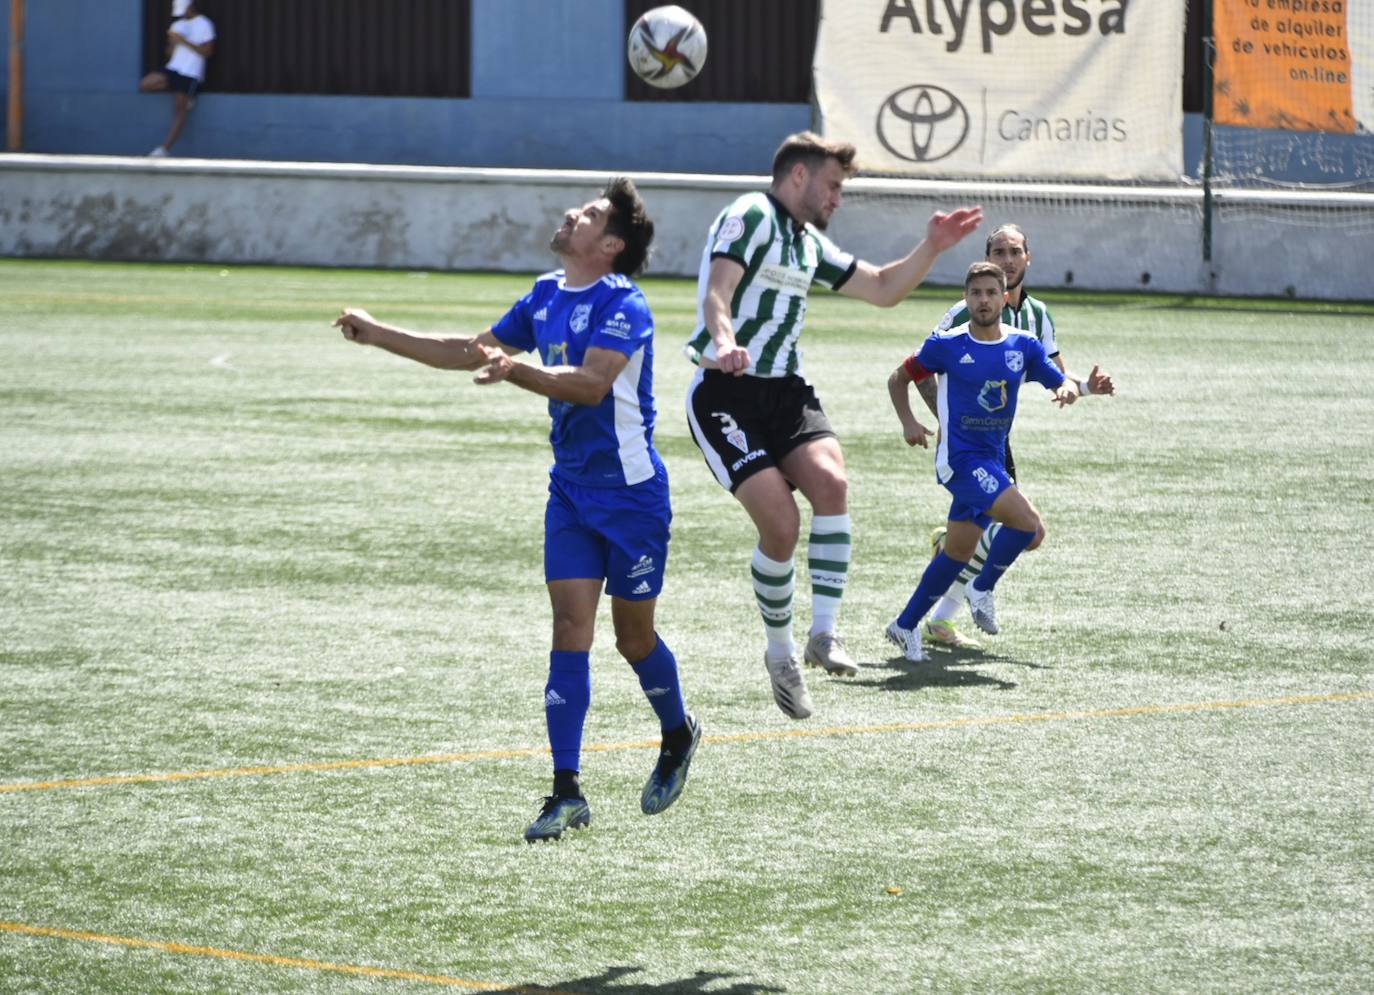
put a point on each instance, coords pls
(563, 109)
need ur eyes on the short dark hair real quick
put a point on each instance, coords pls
(984, 268)
(810, 149)
(629, 222)
(1003, 230)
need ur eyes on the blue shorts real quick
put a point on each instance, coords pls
(619, 534)
(178, 83)
(975, 485)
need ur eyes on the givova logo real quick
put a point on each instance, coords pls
(1037, 18)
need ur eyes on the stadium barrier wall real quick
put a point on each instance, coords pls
(450, 218)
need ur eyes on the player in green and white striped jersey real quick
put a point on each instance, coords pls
(756, 419)
(1009, 248)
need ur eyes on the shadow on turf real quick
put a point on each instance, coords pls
(608, 982)
(938, 672)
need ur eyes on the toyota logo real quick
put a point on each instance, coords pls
(922, 123)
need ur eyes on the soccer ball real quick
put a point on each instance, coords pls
(667, 47)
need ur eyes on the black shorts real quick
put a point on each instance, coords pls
(745, 424)
(179, 83)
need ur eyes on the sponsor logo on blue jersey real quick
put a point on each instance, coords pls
(993, 396)
(619, 326)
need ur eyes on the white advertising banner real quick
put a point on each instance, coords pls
(1031, 89)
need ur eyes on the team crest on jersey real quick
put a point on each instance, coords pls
(1016, 360)
(993, 396)
(730, 229)
(985, 480)
(731, 430)
(581, 318)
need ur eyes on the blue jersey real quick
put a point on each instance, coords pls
(608, 444)
(977, 394)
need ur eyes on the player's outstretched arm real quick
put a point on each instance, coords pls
(1095, 382)
(913, 431)
(451, 352)
(888, 285)
(586, 384)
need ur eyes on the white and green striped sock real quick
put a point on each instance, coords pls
(774, 582)
(948, 606)
(827, 560)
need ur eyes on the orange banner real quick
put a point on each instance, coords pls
(1284, 64)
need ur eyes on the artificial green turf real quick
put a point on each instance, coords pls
(231, 538)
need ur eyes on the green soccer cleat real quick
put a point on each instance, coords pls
(557, 815)
(942, 631)
(669, 776)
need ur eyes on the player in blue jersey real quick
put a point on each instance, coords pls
(984, 363)
(606, 522)
(1009, 248)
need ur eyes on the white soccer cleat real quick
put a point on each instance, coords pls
(824, 649)
(157, 153)
(984, 610)
(908, 641)
(789, 687)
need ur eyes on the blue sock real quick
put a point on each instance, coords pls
(658, 676)
(567, 696)
(1009, 544)
(939, 574)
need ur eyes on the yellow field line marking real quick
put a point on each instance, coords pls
(642, 744)
(273, 959)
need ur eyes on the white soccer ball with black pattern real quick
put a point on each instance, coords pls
(667, 47)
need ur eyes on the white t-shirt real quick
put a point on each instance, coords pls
(197, 30)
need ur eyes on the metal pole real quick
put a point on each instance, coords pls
(1209, 52)
(15, 114)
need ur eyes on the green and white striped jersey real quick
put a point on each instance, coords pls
(1032, 316)
(781, 261)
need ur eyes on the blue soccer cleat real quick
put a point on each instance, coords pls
(670, 773)
(557, 815)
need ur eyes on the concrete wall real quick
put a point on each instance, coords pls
(458, 218)
(563, 109)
